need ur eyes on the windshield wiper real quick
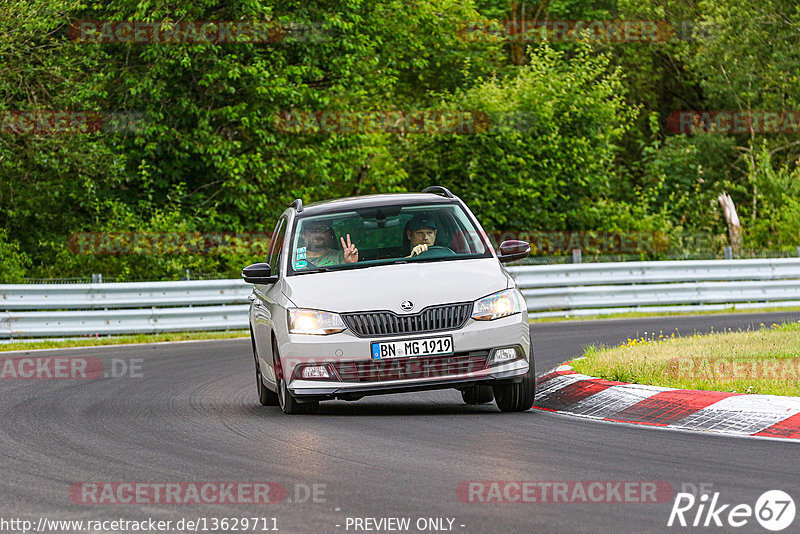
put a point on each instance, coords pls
(317, 270)
(440, 258)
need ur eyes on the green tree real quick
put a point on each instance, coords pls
(49, 182)
(549, 153)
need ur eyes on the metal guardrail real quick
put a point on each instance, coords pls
(658, 286)
(122, 295)
(122, 308)
(138, 321)
(550, 290)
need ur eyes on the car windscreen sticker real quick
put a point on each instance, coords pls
(301, 255)
(300, 264)
(301, 250)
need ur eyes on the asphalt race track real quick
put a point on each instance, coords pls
(190, 413)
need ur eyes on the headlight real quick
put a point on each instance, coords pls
(502, 304)
(317, 322)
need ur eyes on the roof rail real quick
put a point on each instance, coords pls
(439, 190)
(297, 204)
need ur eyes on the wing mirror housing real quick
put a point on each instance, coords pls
(513, 250)
(258, 273)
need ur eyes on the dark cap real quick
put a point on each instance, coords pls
(317, 226)
(421, 220)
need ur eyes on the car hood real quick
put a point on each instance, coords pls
(384, 287)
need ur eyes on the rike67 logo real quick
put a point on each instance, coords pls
(774, 510)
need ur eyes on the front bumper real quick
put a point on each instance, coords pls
(476, 338)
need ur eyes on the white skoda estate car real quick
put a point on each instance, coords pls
(388, 294)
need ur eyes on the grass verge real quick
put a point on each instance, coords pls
(121, 340)
(634, 315)
(765, 361)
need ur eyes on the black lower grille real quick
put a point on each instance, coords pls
(387, 323)
(412, 368)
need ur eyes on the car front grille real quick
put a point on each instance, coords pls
(412, 368)
(386, 323)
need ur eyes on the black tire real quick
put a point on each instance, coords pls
(289, 405)
(518, 397)
(477, 395)
(265, 396)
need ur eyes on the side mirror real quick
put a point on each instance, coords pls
(513, 250)
(258, 273)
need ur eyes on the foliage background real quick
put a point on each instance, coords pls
(583, 143)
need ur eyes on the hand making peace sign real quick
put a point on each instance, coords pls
(350, 250)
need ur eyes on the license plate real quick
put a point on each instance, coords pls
(432, 346)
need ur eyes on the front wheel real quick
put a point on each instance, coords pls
(288, 404)
(518, 397)
(477, 395)
(265, 396)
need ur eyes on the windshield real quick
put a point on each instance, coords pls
(383, 235)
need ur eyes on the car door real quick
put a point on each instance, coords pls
(265, 303)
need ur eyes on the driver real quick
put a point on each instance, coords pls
(320, 241)
(421, 233)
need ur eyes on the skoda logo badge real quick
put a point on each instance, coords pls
(406, 305)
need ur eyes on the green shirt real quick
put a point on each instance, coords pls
(331, 257)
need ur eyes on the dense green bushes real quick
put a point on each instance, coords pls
(548, 160)
(579, 139)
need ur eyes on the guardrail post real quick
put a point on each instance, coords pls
(728, 253)
(97, 278)
(576, 255)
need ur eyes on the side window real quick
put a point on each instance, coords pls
(276, 245)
